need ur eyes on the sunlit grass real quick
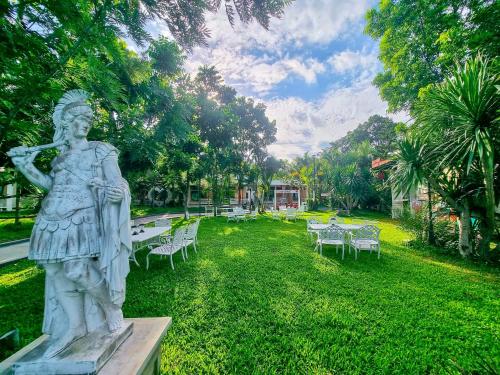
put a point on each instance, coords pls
(10, 231)
(257, 299)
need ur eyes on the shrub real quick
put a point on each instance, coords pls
(445, 231)
(415, 223)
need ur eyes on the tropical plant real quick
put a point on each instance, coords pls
(459, 118)
(409, 173)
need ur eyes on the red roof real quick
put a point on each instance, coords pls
(379, 162)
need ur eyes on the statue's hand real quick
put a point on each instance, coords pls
(97, 182)
(21, 157)
(114, 194)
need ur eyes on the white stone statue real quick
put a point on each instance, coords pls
(82, 233)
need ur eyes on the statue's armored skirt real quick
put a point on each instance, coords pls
(67, 226)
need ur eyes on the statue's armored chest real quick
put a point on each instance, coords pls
(83, 163)
(70, 190)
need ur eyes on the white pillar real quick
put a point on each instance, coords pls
(10, 202)
(274, 202)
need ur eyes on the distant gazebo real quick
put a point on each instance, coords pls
(287, 194)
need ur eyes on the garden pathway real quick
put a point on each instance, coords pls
(11, 253)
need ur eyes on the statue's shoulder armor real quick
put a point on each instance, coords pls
(102, 149)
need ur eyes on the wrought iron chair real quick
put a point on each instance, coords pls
(173, 245)
(333, 235)
(167, 224)
(190, 237)
(291, 214)
(311, 232)
(366, 238)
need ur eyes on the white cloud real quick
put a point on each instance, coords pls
(304, 22)
(309, 126)
(237, 51)
(255, 75)
(349, 60)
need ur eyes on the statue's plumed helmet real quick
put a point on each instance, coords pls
(70, 100)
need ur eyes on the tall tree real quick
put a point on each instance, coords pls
(409, 172)
(420, 40)
(47, 47)
(379, 131)
(462, 113)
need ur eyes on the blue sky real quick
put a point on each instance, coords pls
(313, 69)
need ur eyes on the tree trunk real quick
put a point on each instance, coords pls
(240, 187)
(186, 196)
(465, 229)
(199, 196)
(214, 194)
(488, 227)
(484, 242)
(431, 237)
(18, 201)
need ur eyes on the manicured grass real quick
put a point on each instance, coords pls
(10, 232)
(257, 299)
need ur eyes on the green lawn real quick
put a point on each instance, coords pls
(10, 232)
(257, 299)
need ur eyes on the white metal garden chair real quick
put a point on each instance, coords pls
(197, 222)
(231, 216)
(173, 245)
(190, 237)
(252, 215)
(275, 214)
(310, 231)
(300, 212)
(333, 235)
(240, 214)
(167, 224)
(366, 238)
(291, 214)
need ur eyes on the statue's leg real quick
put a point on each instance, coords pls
(71, 300)
(88, 278)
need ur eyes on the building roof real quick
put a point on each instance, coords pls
(381, 163)
(278, 183)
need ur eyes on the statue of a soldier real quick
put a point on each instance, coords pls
(82, 232)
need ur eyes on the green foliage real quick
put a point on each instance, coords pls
(257, 299)
(410, 165)
(420, 41)
(445, 231)
(343, 171)
(457, 120)
(146, 106)
(380, 132)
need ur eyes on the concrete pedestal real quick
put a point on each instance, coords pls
(137, 354)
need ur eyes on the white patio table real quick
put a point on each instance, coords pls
(223, 210)
(150, 234)
(347, 227)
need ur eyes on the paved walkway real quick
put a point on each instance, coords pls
(13, 252)
(17, 251)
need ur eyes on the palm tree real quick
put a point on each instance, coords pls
(410, 171)
(462, 113)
